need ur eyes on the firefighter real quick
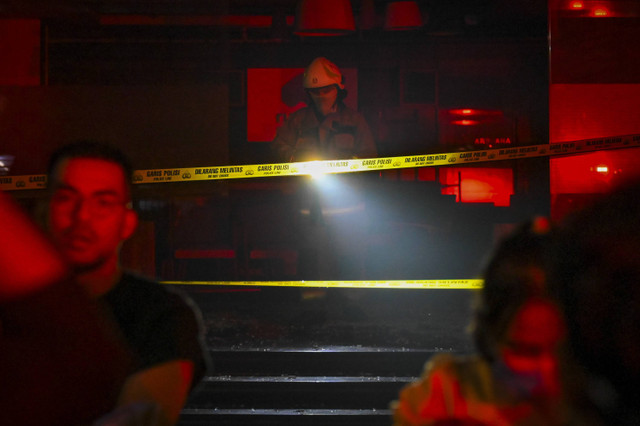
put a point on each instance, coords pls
(326, 129)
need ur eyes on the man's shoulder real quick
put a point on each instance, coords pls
(148, 291)
(138, 280)
(350, 115)
(139, 299)
(301, 112)
(160, 323)
(302, 115)
(132, 283)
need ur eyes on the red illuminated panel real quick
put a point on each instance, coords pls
(576, 5)
(464, 111)
(600, 12)
(585, 111)
(20, 52)
(465, 122)
(475, 112)
(578, 179)
(427, 174)
(478, 185)
(407, 174)
(593, 173)
(274, 93)
(467, 126)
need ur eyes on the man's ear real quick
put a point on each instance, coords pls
(130, 223)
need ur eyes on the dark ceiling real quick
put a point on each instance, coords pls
(487, 16)
(51, 8)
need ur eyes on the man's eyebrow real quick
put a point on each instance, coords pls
(107, 192)
(59, 185)
(101, 192)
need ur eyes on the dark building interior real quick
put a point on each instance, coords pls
(192, 83)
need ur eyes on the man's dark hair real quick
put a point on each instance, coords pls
(91, 149)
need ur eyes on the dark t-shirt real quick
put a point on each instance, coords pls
(61, 361)
(159, 324)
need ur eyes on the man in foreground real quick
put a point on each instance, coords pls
(61, 361)
(89, 217)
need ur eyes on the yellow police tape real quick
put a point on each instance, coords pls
(191, 174)
(383, 163)
(471, 284)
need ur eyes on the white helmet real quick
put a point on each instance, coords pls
(320, 73)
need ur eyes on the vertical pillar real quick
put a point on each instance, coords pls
(19, 52)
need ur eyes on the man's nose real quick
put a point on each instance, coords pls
(82, 210)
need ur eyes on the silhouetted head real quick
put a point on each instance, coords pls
(517, 327)
(596, 270)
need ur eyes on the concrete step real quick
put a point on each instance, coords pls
(321, 386)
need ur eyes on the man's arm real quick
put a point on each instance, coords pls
(57, 351)
(167, 385)
(284, 144)
(28, 261)
(365, 143)
(170, 352)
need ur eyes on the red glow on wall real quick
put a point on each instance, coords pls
(467, 126)
(478, 185)
(595, 172)
(427, 174)
(576, 180)
(576, 5)
(600, 12)
(465, 122)
(475, 112)
(20, 52)
(466, 111)
(272, 94)
(585, 111)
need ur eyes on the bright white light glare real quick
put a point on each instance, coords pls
(5, 163)
(337, 211)
(314, 168)
(602, 169)
(318, 176)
